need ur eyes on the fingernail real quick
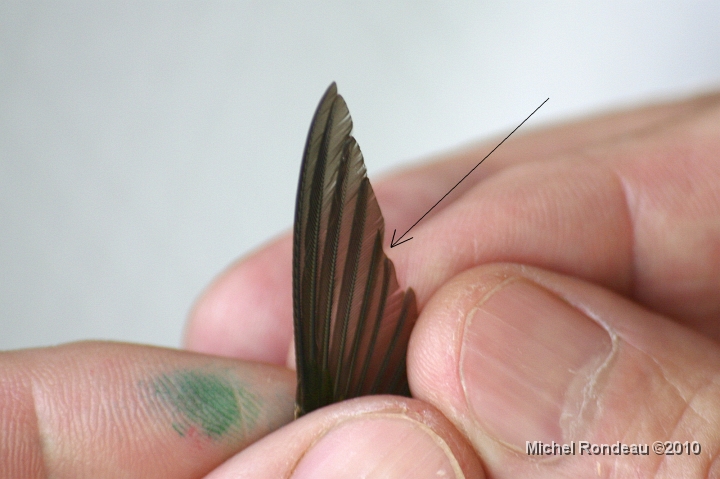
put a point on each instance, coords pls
(383, 446)
(530, 364)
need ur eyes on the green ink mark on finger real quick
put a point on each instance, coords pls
(206, 402)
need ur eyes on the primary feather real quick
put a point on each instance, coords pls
(352, 321)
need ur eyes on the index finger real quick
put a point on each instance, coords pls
(101, 409)
(247, 311)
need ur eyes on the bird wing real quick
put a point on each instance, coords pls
(352, 321)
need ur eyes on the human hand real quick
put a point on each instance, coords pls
(569, 292)
(608, 333)
(100, 409)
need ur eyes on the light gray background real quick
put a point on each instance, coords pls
(144, 147)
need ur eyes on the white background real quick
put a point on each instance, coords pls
(144, 147)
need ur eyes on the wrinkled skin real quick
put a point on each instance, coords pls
(569, 291)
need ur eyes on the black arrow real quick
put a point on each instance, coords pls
(394, 244)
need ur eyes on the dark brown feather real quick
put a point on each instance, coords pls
(352, 321)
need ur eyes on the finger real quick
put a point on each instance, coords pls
(514, 355)
(378, 436)
(247, 312)
(118, 410)
(641, 217)
(409, 193)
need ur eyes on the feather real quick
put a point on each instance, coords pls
(352, 322)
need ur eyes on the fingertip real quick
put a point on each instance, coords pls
(246, 312)
(96, 408)
(516, 356)
(434, 352)
(375, 436)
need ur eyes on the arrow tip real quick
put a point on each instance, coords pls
(398, 243)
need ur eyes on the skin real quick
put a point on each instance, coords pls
(568, 291)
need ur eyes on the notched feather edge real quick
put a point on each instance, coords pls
(352, 322)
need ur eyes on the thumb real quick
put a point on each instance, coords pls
(537, 361)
